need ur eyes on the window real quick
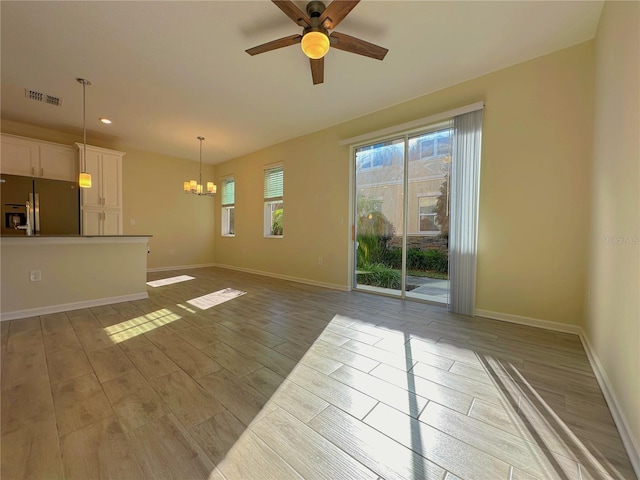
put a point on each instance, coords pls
(434, 145)
(228, 206)
(380, 155)
(368, 158)
(273, 201)
(427, 207)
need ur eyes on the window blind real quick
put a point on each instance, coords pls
(465, 189)
(273, 183)
(228, 192)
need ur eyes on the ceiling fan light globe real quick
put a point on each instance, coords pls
(315, 44)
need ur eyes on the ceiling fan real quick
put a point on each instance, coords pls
(315, 38)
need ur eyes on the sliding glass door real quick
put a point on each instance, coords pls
(402, 215)
(379, 216)
(428, 172)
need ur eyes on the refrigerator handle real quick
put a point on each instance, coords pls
(36, 210)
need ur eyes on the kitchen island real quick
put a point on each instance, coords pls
(48, 274)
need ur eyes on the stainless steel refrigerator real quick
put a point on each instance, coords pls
(54, 206)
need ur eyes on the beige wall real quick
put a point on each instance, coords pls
(316, 211)
(72, 270)
(181, 225)
(534, 189)
(613, 304)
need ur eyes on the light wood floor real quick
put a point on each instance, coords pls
(294, 381)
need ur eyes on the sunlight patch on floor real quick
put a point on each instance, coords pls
(184, 307)
(215, 298)
(139, 325)
(531, 426)
(169, 281)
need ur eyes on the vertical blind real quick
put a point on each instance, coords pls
(273, 183)
(228, 192)
(463, 228)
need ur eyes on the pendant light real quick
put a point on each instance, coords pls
(85, 178)
(196, 188)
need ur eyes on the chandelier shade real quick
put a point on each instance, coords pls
(197, 187)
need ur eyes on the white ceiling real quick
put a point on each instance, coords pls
(166, 72)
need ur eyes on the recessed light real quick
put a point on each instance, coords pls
(105, 120)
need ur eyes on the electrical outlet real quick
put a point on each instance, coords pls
(35, 275)
(132, 221)
(320, 261)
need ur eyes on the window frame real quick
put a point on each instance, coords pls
(434, 215)
(227, 209)
(228, 212)
(271, 200)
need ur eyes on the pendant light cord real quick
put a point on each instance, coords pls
(84, 83)
(200, 138)
(84, 125)
(200, 183)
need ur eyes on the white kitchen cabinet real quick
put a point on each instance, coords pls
(37, 158)
(105, 167)
(103, 201)
(58, 162)
(19, 155)
(99, 221)
(91, 221)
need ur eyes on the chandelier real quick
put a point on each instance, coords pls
(196, 188)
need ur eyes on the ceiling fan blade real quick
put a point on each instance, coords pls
(355, 45)
(335, 13)
(293, 12)
(274, 45)
(317, 70)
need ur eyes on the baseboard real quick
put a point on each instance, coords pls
(332, 286)
(631, 444)
(34, 312)
(180, 267)
(529, 321)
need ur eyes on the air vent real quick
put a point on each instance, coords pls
(42, 97)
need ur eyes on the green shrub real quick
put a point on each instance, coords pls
(375, 223)
(378, 275)
(432, 259)
(371, 249)
(435, 260)
(276, 227)
(393, 258)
